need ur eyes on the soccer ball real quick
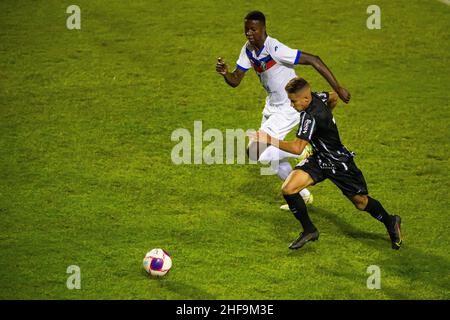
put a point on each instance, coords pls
(157, 262)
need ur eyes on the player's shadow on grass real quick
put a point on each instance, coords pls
(358, 277)
(285, 223)
(346, 228)
(410, 263)
(259, 187)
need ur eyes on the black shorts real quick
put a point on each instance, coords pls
(345, 175)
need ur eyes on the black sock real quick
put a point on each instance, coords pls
(298, 208)
(377, 211)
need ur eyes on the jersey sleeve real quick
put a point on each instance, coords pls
(243, 63)
(306, 127)
(323, 96)
(283, 53)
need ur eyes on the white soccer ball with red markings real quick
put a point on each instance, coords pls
(157, 262)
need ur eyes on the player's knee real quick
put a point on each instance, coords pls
(360, 202)
(289, 188)
(359, 206)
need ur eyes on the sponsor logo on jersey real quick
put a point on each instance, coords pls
(306, 126)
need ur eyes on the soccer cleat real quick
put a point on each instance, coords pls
(395, 232)
(308, 200)
(304, 238)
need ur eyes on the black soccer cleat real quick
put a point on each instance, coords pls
(304, 238)
(395, 232)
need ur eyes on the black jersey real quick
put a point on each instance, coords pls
(317, 125)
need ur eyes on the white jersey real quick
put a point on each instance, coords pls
(274, 65)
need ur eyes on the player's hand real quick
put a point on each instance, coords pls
(259, 136)
(344, 94)
(221, 67)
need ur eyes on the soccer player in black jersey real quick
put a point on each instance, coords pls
(331, 159)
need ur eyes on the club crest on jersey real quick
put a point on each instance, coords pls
(263, 66)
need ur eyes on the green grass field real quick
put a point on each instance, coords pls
(86, 176)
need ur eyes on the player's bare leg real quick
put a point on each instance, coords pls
(305, 193)
(376, 210)
(283, 168)
(298, 180)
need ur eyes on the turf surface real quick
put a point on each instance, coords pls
(86, 176)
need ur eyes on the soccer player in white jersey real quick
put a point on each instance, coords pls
(274, 64)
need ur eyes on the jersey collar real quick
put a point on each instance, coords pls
(262, 48)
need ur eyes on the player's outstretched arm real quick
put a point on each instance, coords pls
(296, 146)
(320, 66)
(232, 78)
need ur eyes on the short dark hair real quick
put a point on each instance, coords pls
(256, 15)
(295, 85)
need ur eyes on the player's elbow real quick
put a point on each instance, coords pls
(316, 61)
(309, 59)
(360, 202)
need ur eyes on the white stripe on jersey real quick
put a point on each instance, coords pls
(312, 129)
(325, 147)
(302, 118)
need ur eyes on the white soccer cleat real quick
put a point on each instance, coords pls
(308, 200)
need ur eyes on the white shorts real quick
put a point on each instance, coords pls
(280, 122)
